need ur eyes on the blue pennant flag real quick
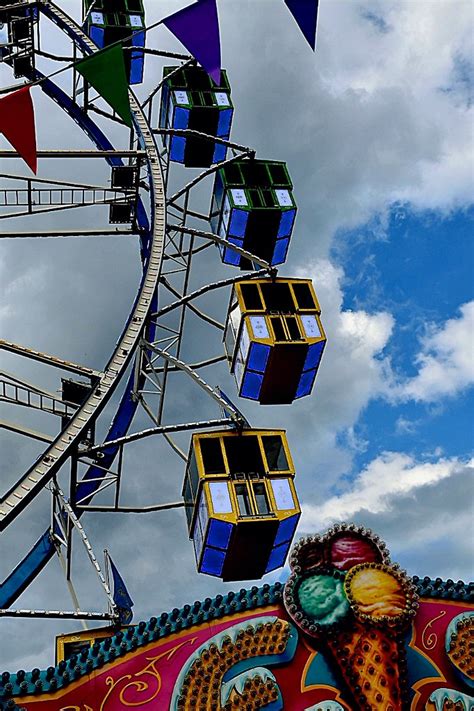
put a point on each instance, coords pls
(121, 597)
(305, 13)
(229, 412)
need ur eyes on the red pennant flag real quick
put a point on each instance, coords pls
(17, 123)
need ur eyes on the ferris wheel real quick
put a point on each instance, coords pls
(175, 185)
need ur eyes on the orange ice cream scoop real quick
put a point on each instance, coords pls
(376, 592)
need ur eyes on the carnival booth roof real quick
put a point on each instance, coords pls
(226, 645)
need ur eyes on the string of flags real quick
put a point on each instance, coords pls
(195, 26)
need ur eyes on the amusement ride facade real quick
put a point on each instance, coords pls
(348, 630)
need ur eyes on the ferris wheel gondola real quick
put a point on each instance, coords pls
(251, 221)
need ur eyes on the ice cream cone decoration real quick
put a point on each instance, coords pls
(368, 661)
(344, 591)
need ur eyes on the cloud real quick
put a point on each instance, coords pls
(376, 488)
(371, 118)
(422, 508)
(354, 368)
(446, 361)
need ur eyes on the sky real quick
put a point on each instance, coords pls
(376, 129)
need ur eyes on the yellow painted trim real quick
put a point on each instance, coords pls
(281, 280)
(307, 339)
(253, 338)
(229, 517)
(321, 327)
(224, 456)
(313, 291)
(197, 438)
(277, 472)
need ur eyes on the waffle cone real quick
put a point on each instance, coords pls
(368, 660)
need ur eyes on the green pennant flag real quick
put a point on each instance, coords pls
(105, 71)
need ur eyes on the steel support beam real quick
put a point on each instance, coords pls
(134, 509)
(40, 436)
(49, 359)
(59, 615)
(220, 240)
(163, 429)
(211, 287)
(84, 153)
(68, 233)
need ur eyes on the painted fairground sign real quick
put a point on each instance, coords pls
(349, 630)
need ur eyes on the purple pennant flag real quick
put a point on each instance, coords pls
(197, 27)
(305, 13)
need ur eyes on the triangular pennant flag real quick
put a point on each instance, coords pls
(105, 71)
(17, 123)
(305, 13)
(197, 27)
(121, 597)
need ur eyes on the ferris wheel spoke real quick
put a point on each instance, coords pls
(30, 234)
(65, 507)
(105, 114)
(154, 508)
(197, 366)
(217, 239)
(27, 431)
(33, 210)
(210, 287)
(59, 615)
(163, 429)
(205, 317)
(81, 153)
(51, 360)
(234, 413)
(245, 153)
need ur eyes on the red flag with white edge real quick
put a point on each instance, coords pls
(17, 123)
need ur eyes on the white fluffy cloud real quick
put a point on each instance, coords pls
(446, 361)
(352, 373)
(387, 478)
(421, 508)
(353, 370)
(417, 63)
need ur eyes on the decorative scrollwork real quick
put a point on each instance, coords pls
(148, 688)
(430, 641)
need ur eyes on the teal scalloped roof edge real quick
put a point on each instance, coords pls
(108, 650)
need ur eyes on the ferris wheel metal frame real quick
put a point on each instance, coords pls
(149, 348)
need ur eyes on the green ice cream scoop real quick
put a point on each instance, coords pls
(322, 599)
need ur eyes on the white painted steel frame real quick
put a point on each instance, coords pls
(67, 441)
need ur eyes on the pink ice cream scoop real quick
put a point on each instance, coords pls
(350, 549)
